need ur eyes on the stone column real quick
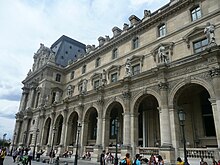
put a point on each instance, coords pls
(50, 139)
(18, 132)
(105, 132)
(126, 130)
(164, 117)
(215, 75)
(64, 127)
(23, 101)
(31, 97)
(134, 132)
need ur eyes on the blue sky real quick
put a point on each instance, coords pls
(27, 23)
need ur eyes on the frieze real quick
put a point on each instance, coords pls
(186, 70)
(215, 72)
(212, 59)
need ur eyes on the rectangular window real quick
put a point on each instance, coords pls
(84, 69)
(135, 43)
(58, 77)
(200, 45)
(162, 30)
(96, 84)
(136, 69)
(53, 96)
(196, 13)
(72, 75)
(97, 63)
(114, 77)
(114, 53)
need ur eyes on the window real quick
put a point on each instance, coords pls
(162, 30)
(97, 62)
(72, 75)
(207, 114)
(114, 77)
(53, 96)
(196, 13)
(115, 53)
(58, 77)
(135, 43)
(96, 84)
(84, 69)
(200, 45)
(113, 129)
(136, 69)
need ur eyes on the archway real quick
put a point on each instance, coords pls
(72, 129)
(193, 99)
(148, 133)
(46, 131)
(58, 126)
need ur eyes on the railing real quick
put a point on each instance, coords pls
(200, 153)
(147, 151)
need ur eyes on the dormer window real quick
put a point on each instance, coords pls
(115, 53)
(58, 77)
(135, 43)
(196, 13)
(162, 30)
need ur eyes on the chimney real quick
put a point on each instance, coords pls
(116, 31)
(134, 20)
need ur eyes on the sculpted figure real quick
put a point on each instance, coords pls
(57, 97)
(104, 77)
(210, 33)
(128, 67)
(163, 57)
(84, 86)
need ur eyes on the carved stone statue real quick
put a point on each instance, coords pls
(128, 71)
(104, 77)
(57, 97)
(70, 91)
(162, 56)
(210, 33)
(147, 13)
(84, 86)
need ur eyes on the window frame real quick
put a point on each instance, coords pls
(114, 53)
(114, 77)
(192, 14)
(202, 47)
(97, 62)
(58, 77)
(83, 69)
(162, 28)
(135, 72)
(135, 42)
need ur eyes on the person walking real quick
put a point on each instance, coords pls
(102, 158)
(2, 155)
(137, 160)
(30, 156)
(179, 161)
(126, 160)
(160, 160)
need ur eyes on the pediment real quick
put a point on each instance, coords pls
(96, 75)
(113, 67)
(195, 31)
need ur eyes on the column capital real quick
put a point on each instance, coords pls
(163, 85)
(214, 72)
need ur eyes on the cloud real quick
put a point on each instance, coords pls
(27, 23)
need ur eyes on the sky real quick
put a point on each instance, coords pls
(24, 24)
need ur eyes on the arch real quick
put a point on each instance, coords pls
(58, 125)
(46, 131)
(110, 102)
(138, 97)
(182, 83)
(72, 128)
(87, 111)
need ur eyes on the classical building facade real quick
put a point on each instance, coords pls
(130, 87)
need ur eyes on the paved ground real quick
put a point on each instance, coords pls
(8, 161)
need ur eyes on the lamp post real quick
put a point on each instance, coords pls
(54, 132)
(12, 147)
(4, 135)
(35, 142)
(77, 143)
(182, 118)
(116, 147)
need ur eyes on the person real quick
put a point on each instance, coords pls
(160, 160)
(152, 160)
(102, 158)
(210, 33)
(51, 155)
(137, 160)
(126, 160)
(179, 161)
(218, 162)
(202, 162)
(2, 155)
(14, 155)
(30, 155)
(214, 162)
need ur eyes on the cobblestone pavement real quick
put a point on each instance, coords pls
(9, 161)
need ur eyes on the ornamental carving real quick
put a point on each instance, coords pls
(215, 72)
(126, 94)
(163, 85)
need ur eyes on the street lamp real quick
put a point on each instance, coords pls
(35, 142)
(116, 134)
(4, 135)
(54, 132)
(77, 142)
(13, 143)
(182, 118)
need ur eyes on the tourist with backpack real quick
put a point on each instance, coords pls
(126, 160)
(137, 160)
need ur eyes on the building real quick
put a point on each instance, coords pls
(130, 87)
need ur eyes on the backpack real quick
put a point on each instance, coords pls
(123, 162)
(134, 163)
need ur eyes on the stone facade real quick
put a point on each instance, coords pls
(131, 87)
